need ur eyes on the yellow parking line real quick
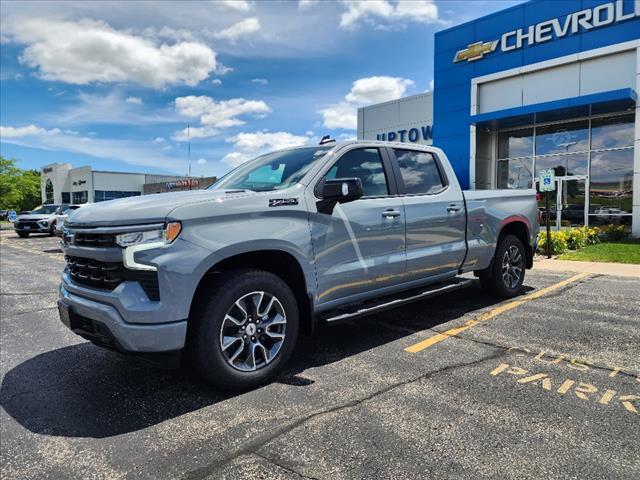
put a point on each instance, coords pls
(490, 314)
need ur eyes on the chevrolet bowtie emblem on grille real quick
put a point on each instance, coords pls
(475, 51)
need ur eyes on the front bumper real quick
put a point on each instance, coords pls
(32, 229)
(131, 320)
(102, 324)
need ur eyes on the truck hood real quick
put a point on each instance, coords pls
(145, 209)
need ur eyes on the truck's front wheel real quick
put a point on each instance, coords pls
(246, 330)
(505, 276)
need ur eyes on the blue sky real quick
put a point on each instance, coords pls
(114, 85)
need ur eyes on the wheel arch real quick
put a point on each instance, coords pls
(280, 262)
(519, 228)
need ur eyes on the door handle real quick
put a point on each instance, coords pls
(454, 208)
(390, 213)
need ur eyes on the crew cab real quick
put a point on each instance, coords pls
(231, 275)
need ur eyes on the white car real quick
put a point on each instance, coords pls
(38, 220)
(61, 216)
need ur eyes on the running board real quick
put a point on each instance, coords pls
(392, 301)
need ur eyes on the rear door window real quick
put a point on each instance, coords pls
(420, 172)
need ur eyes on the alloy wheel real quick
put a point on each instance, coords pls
(253, 331)
(512, 266)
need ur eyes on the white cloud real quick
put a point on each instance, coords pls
(111, 108)
(377, 89)
(340, 115)
(120, 150)
(240, 29)
(201, 161)
(216, 82)
(261, 81)
(240, 5)
(422, 11)
(86, 51)
(431, 85)
(26, 131)
(250, 145)
(363, 91)
(222, 69)
(216, 115)
(307, 4)
(159, 140)
(134, 100)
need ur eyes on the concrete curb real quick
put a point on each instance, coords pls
(619, 269)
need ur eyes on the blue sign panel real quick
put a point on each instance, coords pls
(533, 32)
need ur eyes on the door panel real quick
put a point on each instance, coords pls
(357, 249)
(360, 246)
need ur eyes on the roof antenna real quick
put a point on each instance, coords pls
(326, 139)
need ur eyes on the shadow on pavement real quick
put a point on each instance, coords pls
(85, 391)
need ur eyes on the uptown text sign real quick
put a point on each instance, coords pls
(576, 22)
(414, 135)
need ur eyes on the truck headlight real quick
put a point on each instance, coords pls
(162, 235)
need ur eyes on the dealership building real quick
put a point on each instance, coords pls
(548, 84)
(61, 183)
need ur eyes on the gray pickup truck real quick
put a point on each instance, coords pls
(231, 275)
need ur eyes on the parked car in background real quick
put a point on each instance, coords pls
(39, 220)
(61, 216)
(608, 214)
(285, 242)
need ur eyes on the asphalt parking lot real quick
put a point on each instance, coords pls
(460, 386)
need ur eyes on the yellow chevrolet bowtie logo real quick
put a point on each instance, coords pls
(475, 51)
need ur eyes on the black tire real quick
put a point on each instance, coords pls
(493, 279)
(52, 230)
(23, 234)
(208, 319)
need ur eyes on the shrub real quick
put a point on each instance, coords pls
(592, 235)
(576, 238)
(612, 233)
(559, 242)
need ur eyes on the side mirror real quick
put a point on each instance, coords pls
(338, 190)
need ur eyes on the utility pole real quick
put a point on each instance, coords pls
(189, 154)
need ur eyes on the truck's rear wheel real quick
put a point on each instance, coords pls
(505, 276)
(245, 332)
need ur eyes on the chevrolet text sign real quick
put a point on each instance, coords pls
(581, 21)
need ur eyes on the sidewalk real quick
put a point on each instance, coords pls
(619, 269)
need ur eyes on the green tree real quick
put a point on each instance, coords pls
(19, 189)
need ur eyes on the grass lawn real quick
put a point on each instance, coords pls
(625, 251)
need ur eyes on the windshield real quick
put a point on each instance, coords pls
(68, 210)
(273, 171)
(45, 209)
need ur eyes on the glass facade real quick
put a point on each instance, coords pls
(593, 157)
(104, 195)
(80, 197)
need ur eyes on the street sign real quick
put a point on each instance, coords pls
(12, 216)
(547, 180)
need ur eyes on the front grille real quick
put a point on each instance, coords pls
(108, 275)
(30, 223)
(95, 240)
